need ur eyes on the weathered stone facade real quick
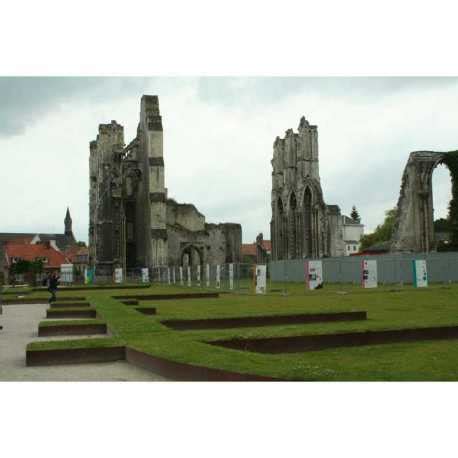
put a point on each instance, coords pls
(414, 225)
(132, 221)
(302, 225)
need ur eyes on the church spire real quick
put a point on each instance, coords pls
(68, 223)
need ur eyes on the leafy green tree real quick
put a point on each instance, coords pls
(382, 232)
(355, 215)
(442, 225)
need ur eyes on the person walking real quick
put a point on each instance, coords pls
(52, 287)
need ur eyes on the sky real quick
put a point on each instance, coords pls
(218, 141)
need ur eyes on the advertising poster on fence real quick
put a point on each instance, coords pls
(420, 273)
(231, 276)
(198, 275)
(207, 275)
(145, 275)
(261, 279)
(369, 274)
(189, 275)
(181, 276)
(218, 276)
(66, 273)
(313, 274)
(118, 275)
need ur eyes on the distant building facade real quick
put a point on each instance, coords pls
(352, 231)
(58, 242)
(302, 224)
(132, 221)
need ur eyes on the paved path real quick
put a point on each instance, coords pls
(20, 326)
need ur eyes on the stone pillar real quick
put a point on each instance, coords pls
(151, 126)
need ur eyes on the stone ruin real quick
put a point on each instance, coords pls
(414, 225)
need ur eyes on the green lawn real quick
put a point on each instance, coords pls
(387, 307)
(52, 323)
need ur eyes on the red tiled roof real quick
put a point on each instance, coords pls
(29, 252)
(249, 249)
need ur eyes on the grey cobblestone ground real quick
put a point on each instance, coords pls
(20, 326)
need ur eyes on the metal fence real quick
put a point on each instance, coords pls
(226, 277)
(391, 268)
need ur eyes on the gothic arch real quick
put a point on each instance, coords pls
(308, 222)
(414, 226)
(191, 255)
(292, 227)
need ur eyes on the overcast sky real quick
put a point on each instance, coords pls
(218, 136)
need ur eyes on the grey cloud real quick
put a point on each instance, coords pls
(24, 99)
(233, 91)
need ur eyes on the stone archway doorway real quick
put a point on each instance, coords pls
(191, 256)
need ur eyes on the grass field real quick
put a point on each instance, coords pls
(387, 308)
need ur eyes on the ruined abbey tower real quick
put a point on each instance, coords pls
(302, 225)
(132, 221)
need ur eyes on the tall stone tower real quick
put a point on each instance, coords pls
(301, 225)
(105, 211)
(151, 141)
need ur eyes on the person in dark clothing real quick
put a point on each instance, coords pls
(52, 286)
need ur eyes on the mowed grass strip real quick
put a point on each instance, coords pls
(428, 360)
(51, 323)
(57, 305)
(104, 342)
(69, 312)
(72, 327)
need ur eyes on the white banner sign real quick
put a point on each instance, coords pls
(420, 273)
(261, 279)
(231, 276)
(207, 275)
(118, 275)
(181, 276)
(66, 273)
(218, 276)
(313, 274)
(145, 275)
(198, 275)
(369, 273)
(189, 275)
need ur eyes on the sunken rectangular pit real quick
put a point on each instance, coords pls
(271, 320)
(130, 302)
(84, 312)
(146, 310)
(297, 344)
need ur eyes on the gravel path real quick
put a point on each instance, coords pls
(20, 326)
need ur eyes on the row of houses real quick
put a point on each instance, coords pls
(52, 250)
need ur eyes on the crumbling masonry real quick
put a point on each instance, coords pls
(132, 222)
(414, 224)
(302, 225)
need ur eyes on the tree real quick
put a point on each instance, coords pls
(442, 225)
(355, 215)
(382, 232)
